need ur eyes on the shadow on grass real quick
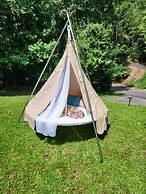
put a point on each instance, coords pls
(19, 91)
(15, 93)
(72, 134)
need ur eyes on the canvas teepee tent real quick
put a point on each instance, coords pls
(68, 82)
(65, 81)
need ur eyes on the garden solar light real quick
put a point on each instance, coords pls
(130, 98)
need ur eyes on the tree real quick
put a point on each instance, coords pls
(131, 20)
(109, 30)
(27, 27)
(101, 58)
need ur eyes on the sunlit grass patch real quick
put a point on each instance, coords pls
(35, 164)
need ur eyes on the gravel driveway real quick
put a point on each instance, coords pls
(138, 96)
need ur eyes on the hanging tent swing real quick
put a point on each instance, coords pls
(67, 98)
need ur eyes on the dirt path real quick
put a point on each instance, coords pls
(137, 65)
(136, 71)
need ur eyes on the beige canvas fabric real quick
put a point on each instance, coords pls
(39, 103)
(100, 112)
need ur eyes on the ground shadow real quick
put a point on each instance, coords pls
(118, 89)
(72, 134)
(20, 90)
(14, 93)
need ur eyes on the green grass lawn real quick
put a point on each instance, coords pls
(141, 83)
(33, 164)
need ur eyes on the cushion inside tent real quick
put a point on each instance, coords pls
(66, 120)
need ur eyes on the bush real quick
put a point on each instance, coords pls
(104, 61)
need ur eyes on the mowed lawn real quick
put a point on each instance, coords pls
(33, 164)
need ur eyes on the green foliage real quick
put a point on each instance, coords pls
(104, 62)
(131, 19)
(26, 40)
(41, 50)
(29, 29)
(67, 164)
(87, 10)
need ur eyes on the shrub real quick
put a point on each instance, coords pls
(104, 61)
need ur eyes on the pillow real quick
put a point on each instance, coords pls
(81, 103)
(73, 100)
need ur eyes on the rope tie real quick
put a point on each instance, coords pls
(69, 34)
